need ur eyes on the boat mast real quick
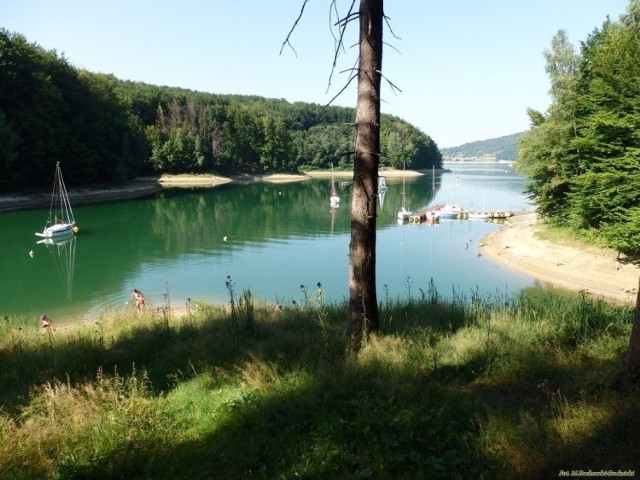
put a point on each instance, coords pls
(65, 205)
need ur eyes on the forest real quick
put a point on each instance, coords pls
(106, 131)
(582, 156)
(500, 148)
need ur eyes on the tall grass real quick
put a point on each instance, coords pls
(466, 387)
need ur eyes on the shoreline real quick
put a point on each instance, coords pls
(593, 270)
(144, 186)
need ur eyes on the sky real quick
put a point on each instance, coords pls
(465, 70)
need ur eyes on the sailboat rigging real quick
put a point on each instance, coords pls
(382, 186)
(63, 251)
(403, 214)
(61, 222)
(334, 199)
(382, 181)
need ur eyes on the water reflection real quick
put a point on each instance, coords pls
(63, 253)
(269, 238)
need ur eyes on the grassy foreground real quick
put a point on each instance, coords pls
(470, 388)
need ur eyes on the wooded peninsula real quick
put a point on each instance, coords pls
(106, 131)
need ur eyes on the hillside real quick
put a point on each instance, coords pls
(107, 131)
(493, 149)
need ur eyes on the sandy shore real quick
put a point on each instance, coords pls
(147, 185)
(214, 180)
(593, 270)
(391, 173)
(138, 188)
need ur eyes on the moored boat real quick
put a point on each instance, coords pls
(61, 222)
(382, 181)
(478, 215)
(403, 213)
(450, 212)
(334, 199)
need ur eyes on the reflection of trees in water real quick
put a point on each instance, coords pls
(244, 213)
(195, 219)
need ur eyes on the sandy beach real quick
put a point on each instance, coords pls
(593, 270)
(138, 188)
(215, 180)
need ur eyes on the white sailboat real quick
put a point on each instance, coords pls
(382, 181)
(61, 222)
(432, 215)
(382, 186)
(403, 213)
(450, 211)
(334, 199)
(483, 215)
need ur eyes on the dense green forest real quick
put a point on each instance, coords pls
(500, 148)
(107, 131)
(582, 155)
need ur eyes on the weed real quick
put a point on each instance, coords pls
(232, 302)
(467, 387)
(247, 311)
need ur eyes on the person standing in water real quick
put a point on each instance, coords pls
(46, 323)
(139, 299)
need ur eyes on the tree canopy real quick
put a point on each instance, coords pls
(582, 155)
(107, 131)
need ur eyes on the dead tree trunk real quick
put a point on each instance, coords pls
(363, 303)
(631, 363)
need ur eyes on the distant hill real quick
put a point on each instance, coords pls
(493, 149)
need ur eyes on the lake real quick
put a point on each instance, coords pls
(276, 240)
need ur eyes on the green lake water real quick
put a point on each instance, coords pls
(277, 240)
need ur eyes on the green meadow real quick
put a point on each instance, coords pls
(518, 387)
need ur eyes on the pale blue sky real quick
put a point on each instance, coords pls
(468, 69)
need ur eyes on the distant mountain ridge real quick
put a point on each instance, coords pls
(493, 149)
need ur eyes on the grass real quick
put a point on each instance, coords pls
(583, 240)
(467, 388)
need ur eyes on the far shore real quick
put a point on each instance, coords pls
(144, 186)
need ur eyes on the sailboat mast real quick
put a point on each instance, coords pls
(64, 197)
(404, 192)
(334, 199)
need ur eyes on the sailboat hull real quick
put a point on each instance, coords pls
(450, 212)
(59, 230)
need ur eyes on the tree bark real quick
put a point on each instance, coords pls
(631, 363)
(363, 303)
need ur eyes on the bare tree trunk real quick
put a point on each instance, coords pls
(631, 363)
(363, 303)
